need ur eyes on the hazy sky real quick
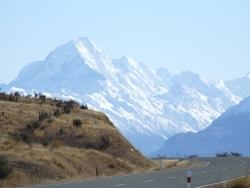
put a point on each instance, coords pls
(209, 37)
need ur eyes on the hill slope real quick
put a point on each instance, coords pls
(229, 132)
(50, 148)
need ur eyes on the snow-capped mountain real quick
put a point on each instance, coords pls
(146, 106)
(229, 132)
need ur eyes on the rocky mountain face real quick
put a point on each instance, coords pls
(228, 133)
(146, 106)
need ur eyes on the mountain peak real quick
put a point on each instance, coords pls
(248, 75)
(87, 43)
(126, 58)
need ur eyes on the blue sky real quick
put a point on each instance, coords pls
(208, 37)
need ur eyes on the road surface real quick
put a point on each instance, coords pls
(215, 170)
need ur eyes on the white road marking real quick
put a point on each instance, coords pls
(148, 181)
(225, 168)
(232, 166)
(206, 164)
(204, 172)
(119, 185)
(171, 177)
(216, 170)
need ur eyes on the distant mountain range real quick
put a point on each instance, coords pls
(146, 106)
(228, 133)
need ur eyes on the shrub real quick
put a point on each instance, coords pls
(83, 106)
(56, 144)
(225, 154)
(70, 103)
(193, 156)
(43, 116)
(27, 138)
(16, 94)
(77, 122)
(36, 124)
(105, 142)
(66, 110)
(57, 113)
(32, 126)
(43, 127)
(239, 183)
(91, 145)
(62, 131)
(112, 166)
(50, 120)
(47, 139)
(236, 154)
(59, 104)
(5, 169)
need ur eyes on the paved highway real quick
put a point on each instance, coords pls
(216, 170)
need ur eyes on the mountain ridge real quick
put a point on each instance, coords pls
(229, 132)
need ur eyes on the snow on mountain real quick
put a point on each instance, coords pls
(229, 132)
(239, 86)
(146, 106)
(242, 108)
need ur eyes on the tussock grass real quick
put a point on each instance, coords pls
(237, 183)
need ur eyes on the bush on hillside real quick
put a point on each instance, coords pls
(77, 123)
(47, 139)
(225, 154)
(50, 120)
(84, 107)
(66, 110)
(91, 145)
(59, 104)
(62, 131)
(5, 169)
(27, 138)
(236, 154)
(105, 142)
(57, 113)
(43, 116)
(30, 128)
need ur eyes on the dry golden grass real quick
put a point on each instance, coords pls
(237, 183)
(175, 164)
(72, 153)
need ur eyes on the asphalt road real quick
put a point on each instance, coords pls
(216, 170)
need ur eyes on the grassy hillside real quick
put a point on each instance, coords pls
(49, 140)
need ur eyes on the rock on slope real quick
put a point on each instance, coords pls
(146, 106)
